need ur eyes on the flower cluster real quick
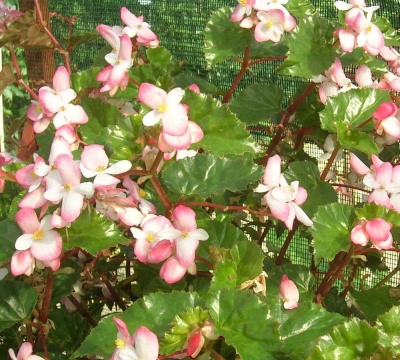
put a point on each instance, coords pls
(283, 199)
(270, 20)
(115, 76)
(178, 132)
(158, 239)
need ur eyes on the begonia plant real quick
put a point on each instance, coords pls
(146, 221)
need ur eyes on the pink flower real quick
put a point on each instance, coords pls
(135, 26)
(153, 243)
(166, 108)
(57, 101)
(243, 8)
(44, 243)
(289, 293)
(67, 187)
(24, 353)
(94, 163)
(142, 344)
(172, 271)
(186, 234)
(377, 230)
(270, 26)
(283, 199)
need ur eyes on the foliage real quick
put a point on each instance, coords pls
(138, 208)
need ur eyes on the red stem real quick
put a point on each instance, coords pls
(272, 58)
(57, 45)
(239, 76)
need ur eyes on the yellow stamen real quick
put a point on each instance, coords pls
(162, 108)
(67, 187)
(369, 28)
(185, 234)
(269, 24)
(100, 168)
(142, 193)
(38, 235)
(242, 2)
(119, 344)
(38, 108)
(150, 238)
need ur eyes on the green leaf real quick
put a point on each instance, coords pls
(390, 34)
(388, 326)
(93, 232)
(69, 331)
(302, 327)
(300, 8)
(80, 39)
(155, 311)
(223, 132)
(17, 301)
(184, 80)
(85, 79)
(121, 138)
(353, 107)
(351, 138)
(257, 103)
(101, 115)
(246, 263)
(331, 230)
(319, 192)
(204, 175)
(372, 211)
(64, 279)
(267, 49)
(352, 340)
(163, 58)
(9, 233)
(311, 49)
(222, 235)
(224, 38)
(241, 318)
(380, 297)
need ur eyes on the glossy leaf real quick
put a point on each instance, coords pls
(381, 298)
(93, 232)
(85, 79)
(222, 235)
(184, 80)
(223, 132)
(302, 327)
(9, 233)
(353, 107)
(372, 211)
(388, 326)
(223, 38)
(245, 263)
(331, 230)
(155, 311)
(351, 138)
(300, 8)
(101, 116)
(204, 175)
(163, 58)
(18, 27)
(311, 49)
(352, 340)
(257, 103)
(319, 192)
(241, 318)
(17, 301)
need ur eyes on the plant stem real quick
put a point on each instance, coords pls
(204, 261)
(239, 76)
(288, 240)
(215, 355)
(212, 205)
(390, 275)
(20, 79)
(57, 45)
(330, 162)
(83, 311)
(112, 291)
(163, 196)
(272, 58)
